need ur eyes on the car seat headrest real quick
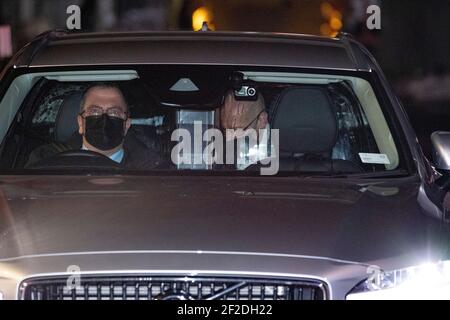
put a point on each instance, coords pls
(66, 121)
(306, 121)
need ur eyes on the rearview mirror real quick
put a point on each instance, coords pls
(440, 141)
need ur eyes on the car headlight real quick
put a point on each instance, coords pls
(428, 281)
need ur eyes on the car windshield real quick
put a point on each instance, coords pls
(195, 119)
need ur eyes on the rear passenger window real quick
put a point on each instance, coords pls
(354, 132)
(44, 118)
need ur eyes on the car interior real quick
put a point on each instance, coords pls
(324, 121)
(308, 112)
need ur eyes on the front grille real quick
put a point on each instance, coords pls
(169, 288)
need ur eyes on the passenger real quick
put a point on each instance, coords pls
(241, 118)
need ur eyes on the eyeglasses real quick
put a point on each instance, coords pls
(113, 112)
(256, 118)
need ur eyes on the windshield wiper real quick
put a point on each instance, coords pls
(373, 175)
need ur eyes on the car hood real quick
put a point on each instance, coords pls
(338, 219)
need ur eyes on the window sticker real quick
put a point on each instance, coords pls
(374, 158)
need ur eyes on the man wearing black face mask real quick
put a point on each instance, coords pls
(103, 121)
(103, 124)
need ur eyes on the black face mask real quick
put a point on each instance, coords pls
(104, 132)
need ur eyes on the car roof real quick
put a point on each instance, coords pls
(59, 48)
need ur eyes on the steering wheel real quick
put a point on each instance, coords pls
(77, 159)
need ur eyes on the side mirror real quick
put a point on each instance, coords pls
(440, 141)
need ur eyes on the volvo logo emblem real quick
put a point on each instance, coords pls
(174, 295)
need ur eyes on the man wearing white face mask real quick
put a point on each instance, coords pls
(247, 122)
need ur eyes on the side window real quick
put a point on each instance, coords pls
(355, 133)
(39, 130)
(43, 121)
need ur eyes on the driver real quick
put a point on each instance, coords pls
(103, 123)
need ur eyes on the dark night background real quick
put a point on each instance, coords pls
(413, 45)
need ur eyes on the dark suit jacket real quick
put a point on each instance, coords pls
(136, 154)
